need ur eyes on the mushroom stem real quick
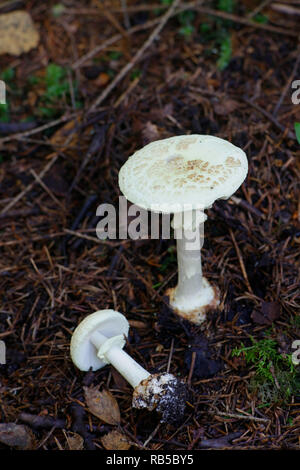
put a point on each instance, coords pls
(193, 294)
(110, 349)
(189, 265)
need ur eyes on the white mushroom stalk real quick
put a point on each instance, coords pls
(193, 296)
(111, 351)
(99, 340)
(187, 170)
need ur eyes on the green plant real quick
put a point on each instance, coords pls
(4, 113)
(186, 19)
(158, 11)
(115, 55)
(297, 131)
(226, 5)
(260, 18)
(155, 286)
(225, 52)
(58, 10)
(135, 74)
(7, 75)
(275, 374)
(56, 82)
(57, 87)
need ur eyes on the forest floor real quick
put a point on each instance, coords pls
(76, 111)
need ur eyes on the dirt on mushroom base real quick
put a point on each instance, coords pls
(164, 393)
(197, 315)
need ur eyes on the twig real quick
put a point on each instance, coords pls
(109, 42)
(30, 186)
(288, 9)
(151, 436)
(94, 239)
(170, 355)
(33, 239)
(125, 13)
(95, 146)
(238, 416)
(247, 206)
(194, 355)
(246, 21)
(42, 184)
(136, 58)
(131, 87)
(220, 442)
(241, 261)
(258, 9)
(271, 118)
(36, 130)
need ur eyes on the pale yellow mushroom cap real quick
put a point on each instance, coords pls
(192, 170)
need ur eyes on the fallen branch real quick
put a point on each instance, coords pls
(239, 416)
(36, 130)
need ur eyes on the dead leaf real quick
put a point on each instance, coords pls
(270, 311)
(68, 133)
(224, 107)
(102, 404)
(75, 441)
(17, 33)
(120, 382)
(102, 79)
(115, 440)
(150, 132)
(16, 435)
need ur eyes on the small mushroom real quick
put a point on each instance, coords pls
(99, 340)
(185, 175)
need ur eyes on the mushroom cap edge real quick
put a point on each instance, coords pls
(108, 322)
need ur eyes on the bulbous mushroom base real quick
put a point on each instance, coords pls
(194, 308)
(164, 393)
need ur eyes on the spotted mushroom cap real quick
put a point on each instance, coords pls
(192, 170)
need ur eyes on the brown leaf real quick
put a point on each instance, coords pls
(16, 435)
(75, 441)
(102, 79)
(102, 404)
(17, 33)
(115, 440)
(120, 382)
(270, 311)
(150, 132)
(226, 106)
(66, 132)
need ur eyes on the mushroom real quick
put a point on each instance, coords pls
(184, 175)
(99, 340)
